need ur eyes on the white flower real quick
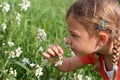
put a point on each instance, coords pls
(25, 61)
(63, 78)
(0, 5)
(38, 72)
(13, 72)
(16, 53)
(25, 5)
(65, 40)
(87, 78)
(59, 62)
(72, 53)
(67, 45)
(10, 43)
(4, 26)
(5, 71)
(32, 65)
(3, 44)
(40, 49)
(12, 54)
(6, 51)
(78, 76)
(41, 35)
(37, 66)
(18, 18)
(6, 7)
(51, 79)
(7, 79)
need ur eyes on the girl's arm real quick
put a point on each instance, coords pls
(69, 64)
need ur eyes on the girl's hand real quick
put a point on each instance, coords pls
(52, 52)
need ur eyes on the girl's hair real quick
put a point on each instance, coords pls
(91, 12)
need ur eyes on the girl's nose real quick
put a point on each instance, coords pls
(68, 41)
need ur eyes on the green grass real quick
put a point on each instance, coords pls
(45, 14)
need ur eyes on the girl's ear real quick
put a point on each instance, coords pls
(103, 38)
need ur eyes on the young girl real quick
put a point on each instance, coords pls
(94, 28)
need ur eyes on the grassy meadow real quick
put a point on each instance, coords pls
(27, 28)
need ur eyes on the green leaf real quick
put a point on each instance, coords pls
(11, 78)
(22, 65)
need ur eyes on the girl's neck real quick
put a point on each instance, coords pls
(107, 53)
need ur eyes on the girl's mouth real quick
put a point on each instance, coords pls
(71, 49)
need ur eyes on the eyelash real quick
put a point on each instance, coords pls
(73, 35)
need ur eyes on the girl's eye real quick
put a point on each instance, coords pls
(73, 35)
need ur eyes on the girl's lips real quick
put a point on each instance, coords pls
(72, 49)
(76, 53)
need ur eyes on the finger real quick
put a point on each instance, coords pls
(50, 51)
(46, 55)
(60, 49)
(55, 50)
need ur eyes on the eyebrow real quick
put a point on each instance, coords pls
(73, 32)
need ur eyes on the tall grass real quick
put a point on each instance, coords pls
(21, 40)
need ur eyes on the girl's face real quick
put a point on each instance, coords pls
(78, 39)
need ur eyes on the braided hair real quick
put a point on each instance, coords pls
(115, 56)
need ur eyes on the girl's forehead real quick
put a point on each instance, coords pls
(74, 23)
(75, 27)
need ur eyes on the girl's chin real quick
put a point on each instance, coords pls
(78, 54)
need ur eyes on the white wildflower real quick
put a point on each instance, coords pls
(65, 40)
(87, 78)
(16, 53)
(10, 43)
(67, 45)
(13, 72)
(3, 44)
(59, 62)
(6, 51)
(7, 79)
(78, 76)
(25, 61)
(73, 54)
(4, 26)
(37, 66)
(40, 49)
(0, 5)
(51, 79)
(12, 54)
(6, 7)
(41, 35)
(18, 18)
(63, 78)
(38, 72)
(5, 71)
(32, 65)
(25, 5)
